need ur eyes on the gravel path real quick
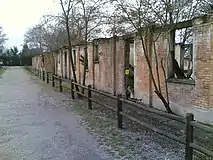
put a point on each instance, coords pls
(34, 125)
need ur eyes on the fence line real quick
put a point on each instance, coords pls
(189, 120)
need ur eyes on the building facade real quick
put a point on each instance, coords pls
(118, 63)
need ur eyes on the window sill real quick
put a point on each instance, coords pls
(181, 81)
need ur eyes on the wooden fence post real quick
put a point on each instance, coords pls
(72, 89)
(53, 80)
(47, 77)
(119, 109)
(60, 84)
(43, 75)
(189, 137)
(89, 97)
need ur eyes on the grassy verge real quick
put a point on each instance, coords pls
(2, 70)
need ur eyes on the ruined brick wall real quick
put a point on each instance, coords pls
(142, 76)
(59, 63)
(100, 75)
(90, 73)
(203, 69)
(120, 52)
(48, 64)
(104, 70)
(36, 62)
(141, 83)
(79, 65)
(197, 95)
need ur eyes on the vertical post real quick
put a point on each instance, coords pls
(119, 109)
(47, 77)
(60, 84)
(43, 75)
(53, 80)
(114, 65)
(150, 54)
(89, 97)
(72, 89)
(40, 74)
(189, 137)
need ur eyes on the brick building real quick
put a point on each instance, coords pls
(109, 57)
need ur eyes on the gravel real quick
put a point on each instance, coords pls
(35, 123)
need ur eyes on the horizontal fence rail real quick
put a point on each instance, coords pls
(189, 121)
(148, 126)
(151, 110)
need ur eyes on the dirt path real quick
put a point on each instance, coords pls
(35, 125)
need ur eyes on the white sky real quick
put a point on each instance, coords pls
(16, 16)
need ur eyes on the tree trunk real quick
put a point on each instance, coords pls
(70, 52)
(85, 59)
(146, 54)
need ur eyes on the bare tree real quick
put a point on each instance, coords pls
(67, 6)
(3, 38)
(90, 14)
(142, 17)
(33, 37)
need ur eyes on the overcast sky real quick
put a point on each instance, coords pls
(16, 16)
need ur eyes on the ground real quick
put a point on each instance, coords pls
(37, 122)
(35, 125)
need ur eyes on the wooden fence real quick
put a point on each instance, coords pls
(189, 120)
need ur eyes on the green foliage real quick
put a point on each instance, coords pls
(11, 57)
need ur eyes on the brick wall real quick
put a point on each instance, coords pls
(188, 95)
(104, 69)
(100, 74)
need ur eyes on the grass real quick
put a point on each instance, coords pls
(2, 70)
